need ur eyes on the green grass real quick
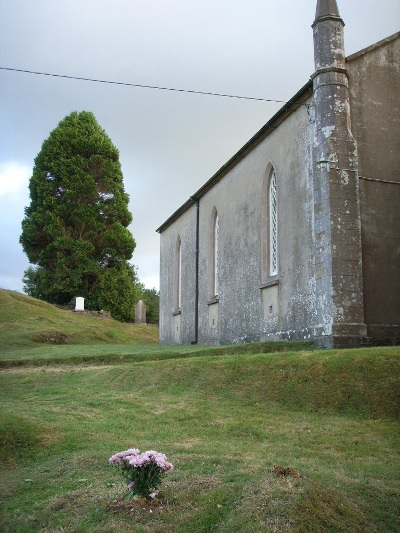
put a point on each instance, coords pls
(33, 332)
(225, 419)
(26, 323)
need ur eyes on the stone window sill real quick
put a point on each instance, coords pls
(270, 282)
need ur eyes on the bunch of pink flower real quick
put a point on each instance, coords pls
(148, 457)
(143, 471)
(122, 457)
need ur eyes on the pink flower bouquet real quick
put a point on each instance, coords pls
(143, 471)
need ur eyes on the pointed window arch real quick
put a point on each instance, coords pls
(178, 274)
(269, 226)
(273, 226)
(214, 254)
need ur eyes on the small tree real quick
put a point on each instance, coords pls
(75, 228)
(119, 291)
(152, 300)
(34, 284)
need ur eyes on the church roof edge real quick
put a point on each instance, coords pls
(279, 117)
(287, 109)
(373, 46)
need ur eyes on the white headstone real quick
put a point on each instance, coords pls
(80, 304)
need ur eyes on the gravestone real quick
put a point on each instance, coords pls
(79, 303)
(140, 312)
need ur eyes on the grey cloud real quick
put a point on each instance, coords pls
(169, 143)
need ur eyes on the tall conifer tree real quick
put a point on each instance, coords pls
(75, 228)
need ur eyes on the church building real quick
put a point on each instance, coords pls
(297, 236)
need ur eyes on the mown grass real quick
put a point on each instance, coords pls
(224, 421)
(302, 441)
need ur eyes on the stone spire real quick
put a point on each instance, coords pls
(326, 8)
(339, 283)
(328, 36)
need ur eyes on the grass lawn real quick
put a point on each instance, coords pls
(304, 441)
(224, 422)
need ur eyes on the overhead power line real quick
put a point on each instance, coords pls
(138, 85)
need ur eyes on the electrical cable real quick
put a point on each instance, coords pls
(170, 89)
(143, 86)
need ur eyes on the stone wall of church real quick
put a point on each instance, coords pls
(250, 305)
(177, 318)
(243, 311)
(253, 305)
(374, 92)
(334, 274)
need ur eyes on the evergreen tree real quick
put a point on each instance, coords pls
(75, 228)
(152, 300)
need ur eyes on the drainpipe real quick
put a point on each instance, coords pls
(196, 294)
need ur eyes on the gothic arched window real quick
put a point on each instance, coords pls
(214, 254)
(269, 226)
(178, 273)
(273, 227)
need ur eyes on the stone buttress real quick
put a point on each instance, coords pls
(337, 231)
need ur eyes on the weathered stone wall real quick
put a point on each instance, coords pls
(375, 111)
(177, 325)
(338, 257)
(240, 313)
(239, 199)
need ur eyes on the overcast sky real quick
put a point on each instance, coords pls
(170, 143)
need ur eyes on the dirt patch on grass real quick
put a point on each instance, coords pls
(284, 471)
(67, 500)
(135, 507)
(51, 337)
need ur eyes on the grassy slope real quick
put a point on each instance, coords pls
(35, 332)
(25, 322)
(223, 420)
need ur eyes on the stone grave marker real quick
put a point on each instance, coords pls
(140, 312)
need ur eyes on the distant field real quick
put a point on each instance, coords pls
(291, 441)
